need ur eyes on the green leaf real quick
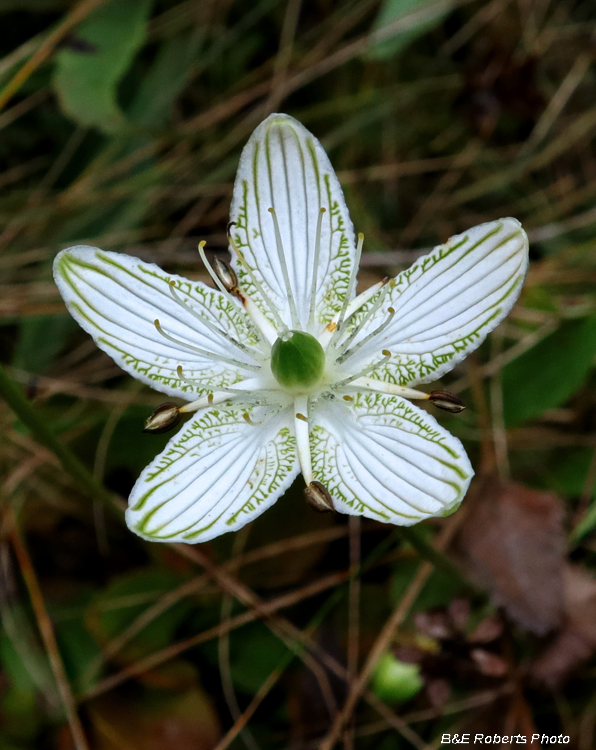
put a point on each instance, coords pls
(40, 340)
(117, 606)
(438, 591)
(254, 654)
(167, 77)
(390, 12)
(546, 375)
(86, 81)
(78, 649)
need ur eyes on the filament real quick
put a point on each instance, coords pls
(365, 371)
(208, 323)
(301, 429)
(203, 352)
(284, 271)
(358, 328)
(366, 339)
(351, 282)
(390, 389)
(211, 399)
(313, 289)
(258, 285)
(214, 276)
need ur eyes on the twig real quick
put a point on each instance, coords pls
(353, 615)
(17, 401)
(384, 639)
(223, 648)
(265, 609)
(75, 16)
(47, 633)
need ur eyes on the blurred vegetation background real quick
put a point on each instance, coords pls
(121, 126)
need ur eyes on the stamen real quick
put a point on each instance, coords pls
(318, 497)
(163, 419)
(209, 400)
(327, 336)
(208, 323)
(250, 421)
(380, 386)
(351, 282)
(366, 339)
(190, 381)
(209, 355)
(284, 270)
(267, 333)
(302, 437)
(226, 275)
(367, 317)
(214, 276)
(447, 401)
(370, 368)
(313, 288)
(258, 285)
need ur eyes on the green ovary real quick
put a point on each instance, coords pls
(297, 363)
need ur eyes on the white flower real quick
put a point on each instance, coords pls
(285, 369)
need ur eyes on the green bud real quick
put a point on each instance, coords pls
(395, 681)
(298, 362)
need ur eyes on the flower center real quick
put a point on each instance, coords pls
(297, 361)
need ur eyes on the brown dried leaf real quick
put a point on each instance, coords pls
(513, 544)
(487, 630)
(459, 612)
(438, 691)
(489, 664)
(154, 720)
(576, 641)
(434, 624)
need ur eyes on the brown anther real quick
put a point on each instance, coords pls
(318, 497)
(163, 419)
(447, 401)
(226, 274)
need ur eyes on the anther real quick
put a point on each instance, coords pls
(447, 401)
(302, 417)
(163, 419)
(348, 398)
(318, 497)
(226, 275)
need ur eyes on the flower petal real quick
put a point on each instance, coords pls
(116, 299)
(284, 167)
(217, 474)
(382, 457)
(446, 304)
